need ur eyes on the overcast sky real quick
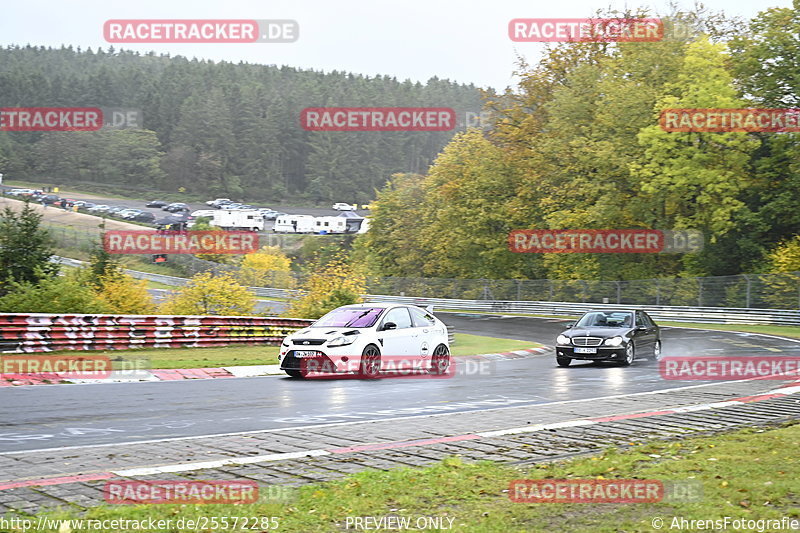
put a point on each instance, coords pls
(460, 40)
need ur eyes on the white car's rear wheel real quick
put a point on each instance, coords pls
(440, 360)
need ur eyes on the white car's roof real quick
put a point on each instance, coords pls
(378, 305)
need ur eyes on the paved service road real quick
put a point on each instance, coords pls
(70, 415)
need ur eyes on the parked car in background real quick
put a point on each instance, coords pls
(175, 207)
(101, 208)
(19, 192)
(269, 214)
(115, 209)
(129, 214)
(49, 198)
(209, 213)
(146, 217)
(609, 335)
(156, 203)
(84, 205)
(218, 201)
(341, 206)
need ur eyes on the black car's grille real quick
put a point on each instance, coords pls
(587, 341)
(308, 342)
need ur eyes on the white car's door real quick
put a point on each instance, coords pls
(398, 340)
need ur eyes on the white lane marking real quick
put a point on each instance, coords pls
(188, 467)
(732, 331)
(536, 427)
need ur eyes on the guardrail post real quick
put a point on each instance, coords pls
(747, 293)
(699, 292)
(658, 291)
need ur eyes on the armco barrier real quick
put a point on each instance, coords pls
(45, 332)
(708, 315)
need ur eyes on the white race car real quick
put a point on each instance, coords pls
(366, 338)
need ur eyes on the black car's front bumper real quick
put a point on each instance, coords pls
(602, 353)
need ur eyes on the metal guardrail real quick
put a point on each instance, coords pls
(38, 332)
(708, 315)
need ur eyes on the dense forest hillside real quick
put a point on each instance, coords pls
(215, 128)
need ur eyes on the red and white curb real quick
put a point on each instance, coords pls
(178, 374)
(783, 391)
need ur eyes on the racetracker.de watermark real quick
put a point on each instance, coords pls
(729, 368)
(586, 30)
(59, 366)
(620, 241)
(720, 120)
(314, 364)
(69, 118)
(604, 490)
(128, 492)
(176, 242)
(200, 31)
(378, 119)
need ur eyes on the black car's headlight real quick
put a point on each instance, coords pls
(614, 341)
(342, 341)
(562, 339)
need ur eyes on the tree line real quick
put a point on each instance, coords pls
(214, 128)
(579, 146)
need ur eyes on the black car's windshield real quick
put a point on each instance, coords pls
(350, 317)
(606, 319)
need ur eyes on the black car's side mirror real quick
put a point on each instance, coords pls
(641, 328)
(570, 325)
(388, 326)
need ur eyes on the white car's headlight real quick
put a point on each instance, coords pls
(562, 339)
(342, 341)
(613, 341)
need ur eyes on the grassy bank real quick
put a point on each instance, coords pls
(749, 474)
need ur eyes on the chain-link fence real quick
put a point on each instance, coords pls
(758, 291)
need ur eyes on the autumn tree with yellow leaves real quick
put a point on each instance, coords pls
(329, 286)
(211, 294)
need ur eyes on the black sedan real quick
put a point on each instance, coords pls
(606, 335)
(156, 203)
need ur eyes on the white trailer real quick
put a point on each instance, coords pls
(241, 219)
(334, 224)
(294, 224)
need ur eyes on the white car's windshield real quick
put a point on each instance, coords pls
(350, 317)
(605, 319)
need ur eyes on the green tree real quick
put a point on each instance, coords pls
(58, 294)
(25, 248)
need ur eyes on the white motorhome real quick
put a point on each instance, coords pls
(241, 219)
(294, 224)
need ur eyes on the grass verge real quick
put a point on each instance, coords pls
(749, 474)
(267, 355)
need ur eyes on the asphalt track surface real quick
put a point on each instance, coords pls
(41, 417)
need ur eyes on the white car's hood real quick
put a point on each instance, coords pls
(324, 333)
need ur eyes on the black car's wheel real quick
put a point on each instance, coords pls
(370, 362)
(296, 373)
(440, 360)
(630, 354)
(657, 350)
(563, 361)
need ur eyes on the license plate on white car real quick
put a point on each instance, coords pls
(585, 350)
(305, 353)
